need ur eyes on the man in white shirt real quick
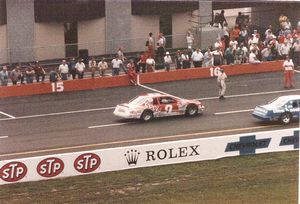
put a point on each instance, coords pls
(252, 58)
(288, 67)
(80, 66)
(116, 65)
(197, 58)
(167, 61)
(284, 50)
(217, 56)
(208, 58)
(63, 69)
(266, 54)
(221, 83)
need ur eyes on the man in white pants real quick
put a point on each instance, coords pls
(221, 83)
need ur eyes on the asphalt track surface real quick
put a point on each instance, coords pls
(68, 122)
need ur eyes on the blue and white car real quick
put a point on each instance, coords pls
(283, 109)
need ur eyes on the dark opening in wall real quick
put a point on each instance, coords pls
(3, 17)
(68, 10)
(146, 7)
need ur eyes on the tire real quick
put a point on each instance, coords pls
(285, 118)
(191, 110)
(147, 115)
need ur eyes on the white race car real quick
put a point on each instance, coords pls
(153, 105)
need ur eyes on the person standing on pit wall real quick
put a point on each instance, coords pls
(131, 72)
(53, 76)
(221, 83)
(208, 58)
(142, 62)
(252, 58)
(63, 70)
(16, 75)
(93, 66)
(178, 60)
(4, 75)
(116, 65)
(167, 61)
(197, 58)
(39, 72)
(72, 69)
(80, 66)
(185, 60)
(288, 67)
(150, 63)
(103, 66)
(29, 74)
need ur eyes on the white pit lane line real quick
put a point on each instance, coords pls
(109, 125)
(8, 115)
(3, 137)
(59, 113)
(232, 112)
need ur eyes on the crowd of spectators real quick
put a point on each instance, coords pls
(236, 45)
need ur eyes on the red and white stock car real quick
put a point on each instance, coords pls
(154, 105)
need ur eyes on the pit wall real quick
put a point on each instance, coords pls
(146, 78)
(147, 155)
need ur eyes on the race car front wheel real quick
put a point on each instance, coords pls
(191, 110)
(147, 115)
(285, 118)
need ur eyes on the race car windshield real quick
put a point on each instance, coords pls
(138, 100)
(278, 102)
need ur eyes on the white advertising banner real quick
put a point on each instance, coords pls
(114, 159)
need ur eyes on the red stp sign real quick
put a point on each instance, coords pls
(13, 171)
(87, 163)
(50, 167)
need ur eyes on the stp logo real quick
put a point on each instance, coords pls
(13, 171)
(87, 163)
(50, 167)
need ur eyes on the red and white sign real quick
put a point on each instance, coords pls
(87, 163)
(13, 171)
(50, 167)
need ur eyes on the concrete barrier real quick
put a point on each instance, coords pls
(155, 77)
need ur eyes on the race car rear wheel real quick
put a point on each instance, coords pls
(191, 110)
(285, 118)
(147, 115)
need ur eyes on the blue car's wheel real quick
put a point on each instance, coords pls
(285, 118)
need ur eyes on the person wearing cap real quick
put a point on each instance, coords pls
(167, 61)
(221, 83)
(4, 76)
(197, 58)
